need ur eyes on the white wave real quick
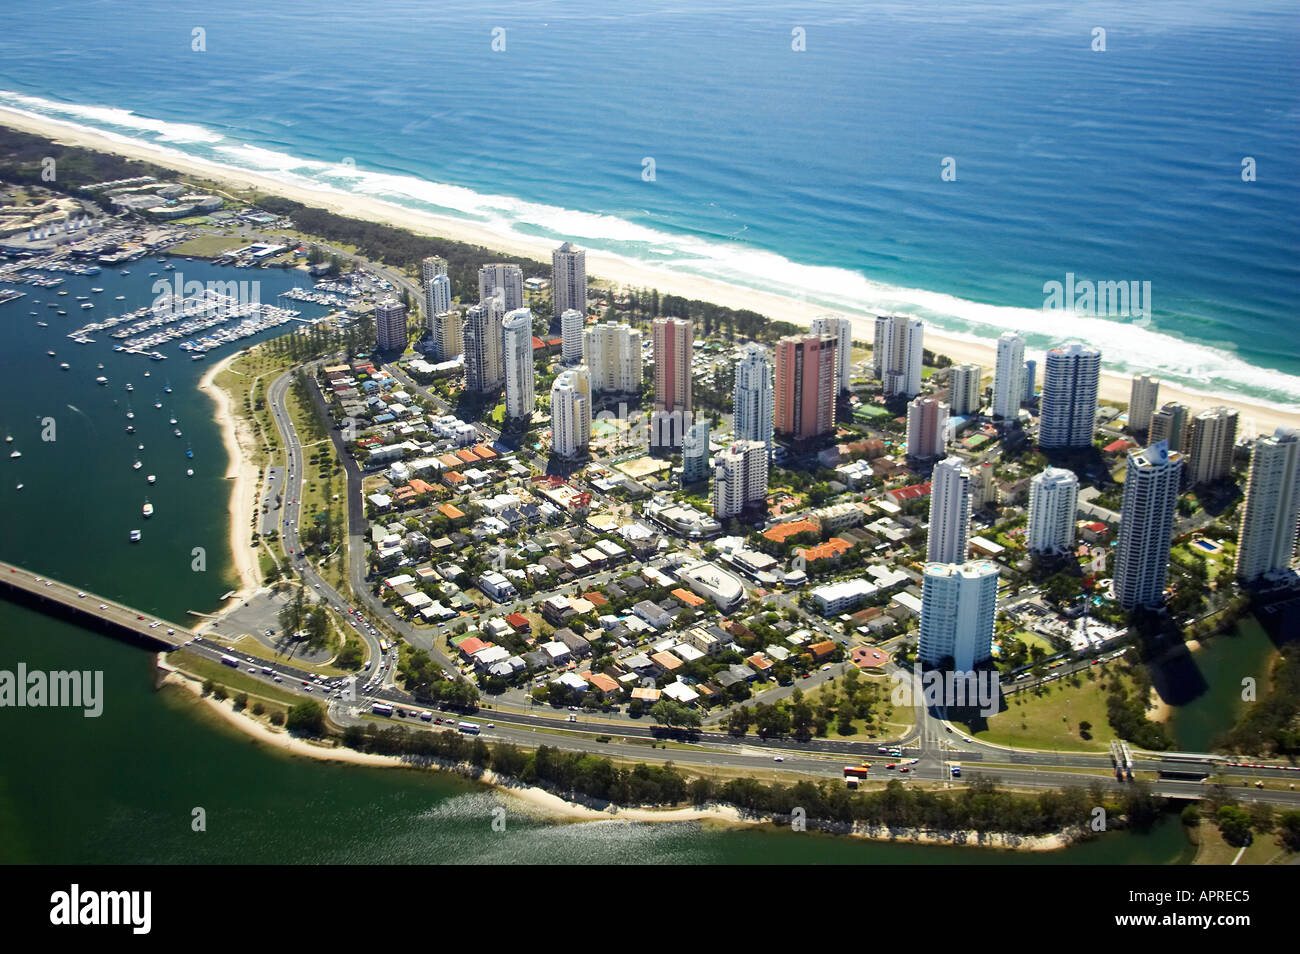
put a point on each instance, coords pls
(1126, 346)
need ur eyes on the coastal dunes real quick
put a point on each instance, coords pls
(240, 444)
(1256, 416)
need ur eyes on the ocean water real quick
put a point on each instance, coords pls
(815, 173)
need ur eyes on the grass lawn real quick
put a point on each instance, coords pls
(1211, 849)
(1051, 721)
(207, 246)
(235, 680)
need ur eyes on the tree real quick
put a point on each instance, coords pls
(1234, 825)
(672, 714)
(307, 718)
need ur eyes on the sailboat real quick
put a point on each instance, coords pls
(189, 451)
(158, 405)
(147, 509)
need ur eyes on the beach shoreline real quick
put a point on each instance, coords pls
(240, 469)
(1256, 416)
(555, 806)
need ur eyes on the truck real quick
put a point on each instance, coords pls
(230, 661)
(469, 728)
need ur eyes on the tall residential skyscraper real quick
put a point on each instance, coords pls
(390, 325)
(569, 279)
(432, 267)
(1212, 442)
(1008, 375)
(506, 282)
(841, 329)
(614, 356)
(739, 479)
(1271, 515)
(1031, 380)
(804, 405)
(571, 326)
(437, 298)
(950, 492)
(571, 412)
(959, 602)
(695, 452)
(964, 391)
(517, 354)
(484, 367)
(1146, 525)
(927, 428)
(674, 341)
(1142, 403)
(1068, 409)
(896, 357)
(753, 397)
(447, 337)
(1053, 503)
(1169, 424)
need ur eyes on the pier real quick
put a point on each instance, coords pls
(83, 606)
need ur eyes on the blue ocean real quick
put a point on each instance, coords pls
(946, 158)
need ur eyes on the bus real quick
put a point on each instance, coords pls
(382, 708)
(469, 728)
(857, 771)
(383, 647)
(230, 661)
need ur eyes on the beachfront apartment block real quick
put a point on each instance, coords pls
(674, 342)
(927, 428)
(1008, 376)
(695, 453)
(753, 397)
(506, 282)
(569, 279)
(571, 413)
(1170, 424)
(1266, 542)
(437, 298)
(965, 391)
(571, 327)
(1142, 398)
(517, 357)
(448, 336)
(613, 353)
(804, 403)
(1212, 443)
(897, 355)
(1146, 525)
(841, 329)
(1068, 410)
(482, 340)
(739, 479)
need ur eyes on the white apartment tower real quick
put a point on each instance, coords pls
(1068, 407)
(958, 605)
(482, 339)
(390, 325)
(571, 326)
(1271, 515)
(1142, 398)
(499, 280)
(1212, 443)
(571, 412)
(1146, 525)
(753, 397)
(1053, 502)
(950, 492)
(614, 358)
(517, 356)
(448, 336)
(1009, 375)
(739, 479)
(896, 357)
(964, 391)
(569, 279)
(841, 329)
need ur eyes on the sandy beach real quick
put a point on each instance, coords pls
(540, 801)
(1255, 417)
(239, 442)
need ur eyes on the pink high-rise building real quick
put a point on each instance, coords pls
(805, 386)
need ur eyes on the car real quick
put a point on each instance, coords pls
(49, 582)
(948, 729)
(172, 632)
(139, 617)
(269, 632)
(777, 758)
(890, 765)
(81, 596)
(278, 679)
(491, 725)
(154, 625)
(252, 670)
(102, 606)
(905, 769)
(966, 739)
(309, 688)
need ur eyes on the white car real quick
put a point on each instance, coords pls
(81, 596)
(777, 758)
(964, 739)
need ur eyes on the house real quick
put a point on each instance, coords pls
(666, 662)
(603, 684)
(681, 692)
(646, 695)
(652, 614)
(556, 652)
(497, 587)
(822, 650)
(578, 646)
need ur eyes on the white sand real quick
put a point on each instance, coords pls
(240, 443)
(1256, 416)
